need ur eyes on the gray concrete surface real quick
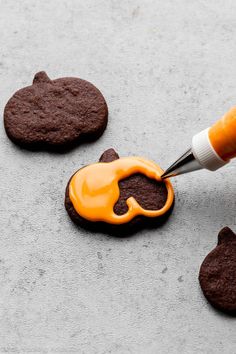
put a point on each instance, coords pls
(168, 70)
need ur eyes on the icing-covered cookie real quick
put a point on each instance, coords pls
(119, 194)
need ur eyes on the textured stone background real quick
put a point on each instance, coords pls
(168, 70)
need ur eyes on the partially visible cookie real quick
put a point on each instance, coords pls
(217, 274)
(55, 113)
(149, 193)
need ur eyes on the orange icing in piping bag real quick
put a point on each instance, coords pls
(94, 190)
(222, 135)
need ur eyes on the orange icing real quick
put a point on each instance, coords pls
(222, 135)
(94, 190)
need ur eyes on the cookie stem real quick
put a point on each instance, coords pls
(41, 76)
(226, 235)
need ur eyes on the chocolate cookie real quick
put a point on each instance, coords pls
(150, 195)
(55, 113)
(217, 274)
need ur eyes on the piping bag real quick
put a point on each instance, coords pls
(211, 149)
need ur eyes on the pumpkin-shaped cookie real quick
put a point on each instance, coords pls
(55, 113)
(217, 274)
(119, 195)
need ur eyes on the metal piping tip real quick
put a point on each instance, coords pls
(186, 163)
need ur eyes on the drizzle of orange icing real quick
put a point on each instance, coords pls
(94, 190)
